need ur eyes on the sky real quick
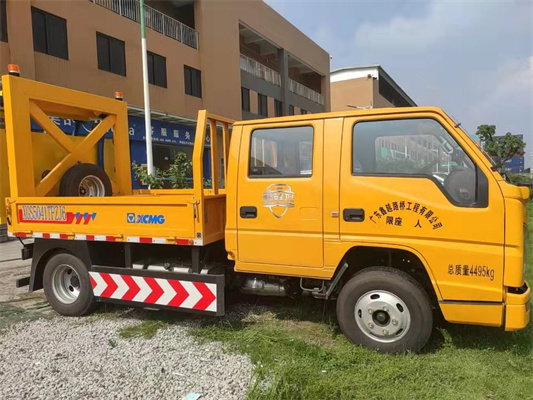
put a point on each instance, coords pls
(474, 59)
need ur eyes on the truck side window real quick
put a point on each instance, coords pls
(415, 147)
(286, 151)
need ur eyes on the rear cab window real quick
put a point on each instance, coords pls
(284, 151)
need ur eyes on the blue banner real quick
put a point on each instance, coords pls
(163, 132)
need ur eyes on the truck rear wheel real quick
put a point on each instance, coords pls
(85, 180)
(385, 309)
(67, 285)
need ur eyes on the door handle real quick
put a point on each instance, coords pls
(353, 214)
(248, 212)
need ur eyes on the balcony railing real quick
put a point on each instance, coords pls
(260, 71)
(304, 91)
(153, 19)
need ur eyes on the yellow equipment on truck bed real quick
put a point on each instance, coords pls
(392, 212)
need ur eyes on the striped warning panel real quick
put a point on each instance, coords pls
(199, 296)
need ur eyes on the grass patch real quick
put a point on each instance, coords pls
(146, 329)
(298, 356)
(11, 314)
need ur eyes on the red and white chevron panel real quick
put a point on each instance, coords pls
(198, 296)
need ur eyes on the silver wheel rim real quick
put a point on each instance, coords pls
(91, 186)
(382, 316)
(65, 284)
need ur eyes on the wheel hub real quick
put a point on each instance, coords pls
(382, 316)
(91, 186)
(65, 284)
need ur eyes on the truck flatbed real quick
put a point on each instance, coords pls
(169, 218)
(172, 216)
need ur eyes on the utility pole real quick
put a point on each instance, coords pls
(146, 87)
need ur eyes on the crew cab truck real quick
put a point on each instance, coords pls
(395, 213)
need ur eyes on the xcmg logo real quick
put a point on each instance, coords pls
(133, 218)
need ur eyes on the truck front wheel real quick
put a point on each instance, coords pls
(67, 285)
(385, 309)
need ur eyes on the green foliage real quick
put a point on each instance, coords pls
(502, 148)
(154, 181)
(516, 179)
(180, 171)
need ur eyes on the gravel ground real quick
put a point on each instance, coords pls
(74, 358)
(46, 356)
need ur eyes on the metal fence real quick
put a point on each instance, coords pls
(304, 91)
(153, 19)
(260, 71)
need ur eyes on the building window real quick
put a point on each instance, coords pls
(291, 109)
(193, 81)
(111, 54)
(262, 105)
(392, 95)
(392, 148)
(278, 108)
(283, 151)
(157, 70)
(49, 34)
(302, 111)
(245, 99)
(3, 21)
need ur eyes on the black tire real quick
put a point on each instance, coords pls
(84, 302)
(71, 180)
(390, 284)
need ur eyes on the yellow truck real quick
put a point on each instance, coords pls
(394, 213)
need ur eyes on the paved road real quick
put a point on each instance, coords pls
(10, 250)
(12, 267)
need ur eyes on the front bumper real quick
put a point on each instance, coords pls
(517, 307)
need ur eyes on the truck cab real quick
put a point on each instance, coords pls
(401, 188)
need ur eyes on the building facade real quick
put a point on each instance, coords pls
(238, 59)
(366, 87)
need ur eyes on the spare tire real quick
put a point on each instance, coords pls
(85, 180)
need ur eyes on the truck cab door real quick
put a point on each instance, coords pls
(412, 181)
(279, 197)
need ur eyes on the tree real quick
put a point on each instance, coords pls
(501, 148)
(180, 171)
